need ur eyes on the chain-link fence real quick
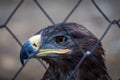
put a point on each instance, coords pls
(111, 23)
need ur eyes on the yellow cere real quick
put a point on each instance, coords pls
(45, 52)
(35, 41)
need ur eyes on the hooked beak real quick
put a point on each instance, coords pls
(31, 48)
(26, 52)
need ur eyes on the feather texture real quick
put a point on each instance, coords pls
(62, 67)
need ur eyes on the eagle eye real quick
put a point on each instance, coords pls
(60, 40)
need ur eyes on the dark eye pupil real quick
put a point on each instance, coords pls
(34, 45)
(60, 39)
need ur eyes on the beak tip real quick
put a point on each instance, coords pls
(21, 59)
(23, 55)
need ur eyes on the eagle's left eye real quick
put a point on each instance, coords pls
(60, 39)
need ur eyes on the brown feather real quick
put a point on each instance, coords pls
(63, 67)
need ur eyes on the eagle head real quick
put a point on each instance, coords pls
(61, 49)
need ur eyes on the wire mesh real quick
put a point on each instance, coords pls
(85, 54)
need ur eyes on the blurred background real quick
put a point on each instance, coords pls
(29, 19)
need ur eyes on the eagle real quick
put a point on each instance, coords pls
(61, 46)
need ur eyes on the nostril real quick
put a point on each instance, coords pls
(34, 45)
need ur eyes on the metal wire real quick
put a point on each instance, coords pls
(91, 52)
(117, 22)
(101, 11)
